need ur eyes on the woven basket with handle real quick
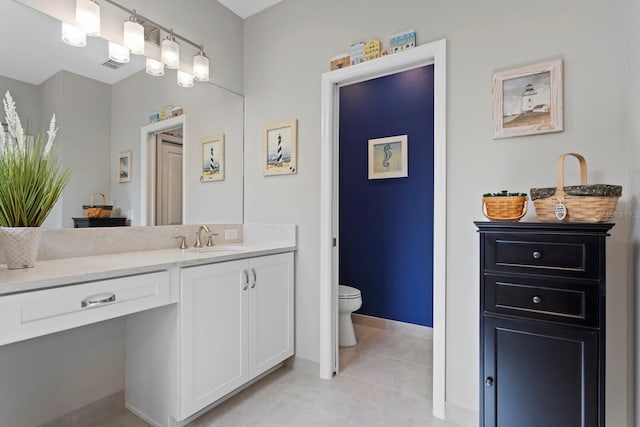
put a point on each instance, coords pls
(97, 211)
(580, 203)
(504, 208)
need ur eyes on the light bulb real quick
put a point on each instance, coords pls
(185, 79)
(201, 67)
(134, 37)
(73, 35)
(88, 17)
(170, 53)
(118, 53)
(154, 68)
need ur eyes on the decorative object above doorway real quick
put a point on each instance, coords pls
(528, 100)
(124, 167)
(280, 153)
(388, 157)
(213, 159)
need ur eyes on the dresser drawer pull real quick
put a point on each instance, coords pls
(99, 299)
(536, 299)
(489, 382)
(537, 255)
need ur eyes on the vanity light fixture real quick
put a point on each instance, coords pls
(201, 66)
(185, 79)
(118, 53)
(154, 68)
(134, 35)
(88, 17)
(73, 35)
(170, 52)
(138, 31)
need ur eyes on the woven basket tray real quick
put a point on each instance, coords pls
(580, 203)
(97, 211)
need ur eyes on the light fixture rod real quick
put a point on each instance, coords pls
(163, 28)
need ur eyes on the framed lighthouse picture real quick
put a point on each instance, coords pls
(528, 100)
(212, 159)
(280, 153)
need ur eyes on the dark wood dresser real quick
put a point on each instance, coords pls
(85, 222)
(542, 324)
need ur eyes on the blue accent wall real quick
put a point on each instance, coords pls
(386, 225)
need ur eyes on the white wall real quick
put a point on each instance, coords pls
(633, 162)
(209, 111)
(287, 47)
(26, 97)
(44, 378)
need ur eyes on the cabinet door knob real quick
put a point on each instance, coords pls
(537, 255)
(489, 382)
(536, 299)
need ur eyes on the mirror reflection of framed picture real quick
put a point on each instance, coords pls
(280, 148)
(124, 167)
(212, 159)
(528, 100)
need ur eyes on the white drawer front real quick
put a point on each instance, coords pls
(43, 312)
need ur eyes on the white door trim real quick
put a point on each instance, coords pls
(147, 166)
(432, 53)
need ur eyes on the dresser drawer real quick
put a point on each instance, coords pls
(571, 303)
(556, 255)
(37, 313)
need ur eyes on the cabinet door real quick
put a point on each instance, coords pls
(271, 311)
(213, 333)
(538, 375)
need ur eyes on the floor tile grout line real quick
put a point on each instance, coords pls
(386, 387)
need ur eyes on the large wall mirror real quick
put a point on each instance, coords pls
(103, 112)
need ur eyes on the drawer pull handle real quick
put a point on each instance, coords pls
(99, 299)
(536, 299)
(537, 255)
(255, 279)
(489, 382)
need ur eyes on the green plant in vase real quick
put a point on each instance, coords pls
(31, 182)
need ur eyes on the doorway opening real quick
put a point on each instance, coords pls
(168, 179)
(432, 53)
(384, 230)
(162, 172)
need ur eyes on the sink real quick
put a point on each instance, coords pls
(219, 248)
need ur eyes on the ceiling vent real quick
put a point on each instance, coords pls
(109, 63)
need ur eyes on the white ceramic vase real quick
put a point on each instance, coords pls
(20, 246)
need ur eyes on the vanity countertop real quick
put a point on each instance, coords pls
(70, 271)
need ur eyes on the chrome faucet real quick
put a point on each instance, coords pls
(198, 242)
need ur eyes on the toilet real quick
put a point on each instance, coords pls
(349, 300)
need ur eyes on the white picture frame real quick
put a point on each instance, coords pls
(124, 167)
(280, 154)
(212, 160)
(388, 157)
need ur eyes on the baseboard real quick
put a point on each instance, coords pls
(461, 416)
(417, 331)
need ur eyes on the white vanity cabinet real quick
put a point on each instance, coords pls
(235, 322)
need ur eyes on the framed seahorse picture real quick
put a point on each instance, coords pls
(388, 157)
(280, 148)
(212, 159)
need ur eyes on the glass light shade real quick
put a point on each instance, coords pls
(73, 35)
(118, 53)
(185, 79)
(134, 37)
(201, 68)
(154, 68)
(88, 17)
(170, 53)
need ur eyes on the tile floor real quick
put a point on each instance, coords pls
(385, 381)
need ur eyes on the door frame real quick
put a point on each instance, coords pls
(148, 166)
(431, 53)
